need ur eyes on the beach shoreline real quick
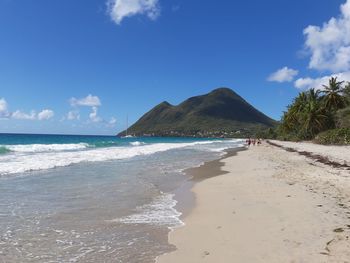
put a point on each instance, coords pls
(184, 195)
(104, 200)
(267, 205)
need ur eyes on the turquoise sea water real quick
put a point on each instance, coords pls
(90, 141)
(93, 198)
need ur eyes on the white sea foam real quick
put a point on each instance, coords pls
(160, 212)
(35, 148)
(219, 149)
(223, 149)
(22, 161)
(137, 143)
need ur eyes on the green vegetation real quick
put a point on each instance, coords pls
(336, 136)
(320, 115)
(343, 118)
(221, 113)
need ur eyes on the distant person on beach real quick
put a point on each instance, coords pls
(259, 142)
(248, 141)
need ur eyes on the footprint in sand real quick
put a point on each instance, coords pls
(338, 230)
(206, 253)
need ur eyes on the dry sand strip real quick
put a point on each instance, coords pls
(339, 154)
(271, 206)
(335, 156)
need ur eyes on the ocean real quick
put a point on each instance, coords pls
(94, 198)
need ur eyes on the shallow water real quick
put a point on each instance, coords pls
(115, 210)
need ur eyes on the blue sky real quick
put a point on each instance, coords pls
(80, 67)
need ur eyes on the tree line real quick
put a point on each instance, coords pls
(322, 115)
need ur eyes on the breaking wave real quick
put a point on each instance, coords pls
(34, 157)
(160, 212)
(36, 148)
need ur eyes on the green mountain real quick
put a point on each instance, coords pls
(221, 113)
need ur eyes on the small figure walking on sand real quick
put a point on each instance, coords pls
(248, 141)
(259, 141)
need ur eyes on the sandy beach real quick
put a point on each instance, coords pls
(271, 205)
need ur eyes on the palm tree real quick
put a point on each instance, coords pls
(292, 115)
(307, 116)
(333, 98)
(313, 95)
(346, 93)
(300, 102)
(315, 117)
(289, 122)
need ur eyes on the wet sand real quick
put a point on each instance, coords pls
(267, 205)
(184, 194)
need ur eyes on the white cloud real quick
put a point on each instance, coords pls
(329, 44)
(73, 115)
(283, 75)
(45, 114)
(19, 115)
(305, 83)
(88, 101)
(3, 109)
(94, 115)
(317, 83)
(120, 9)
(3, 105)
(112, 121)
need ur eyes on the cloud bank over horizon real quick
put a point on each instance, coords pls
(45, 114)
(91, 101)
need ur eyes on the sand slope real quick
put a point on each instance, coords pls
(272, 206)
